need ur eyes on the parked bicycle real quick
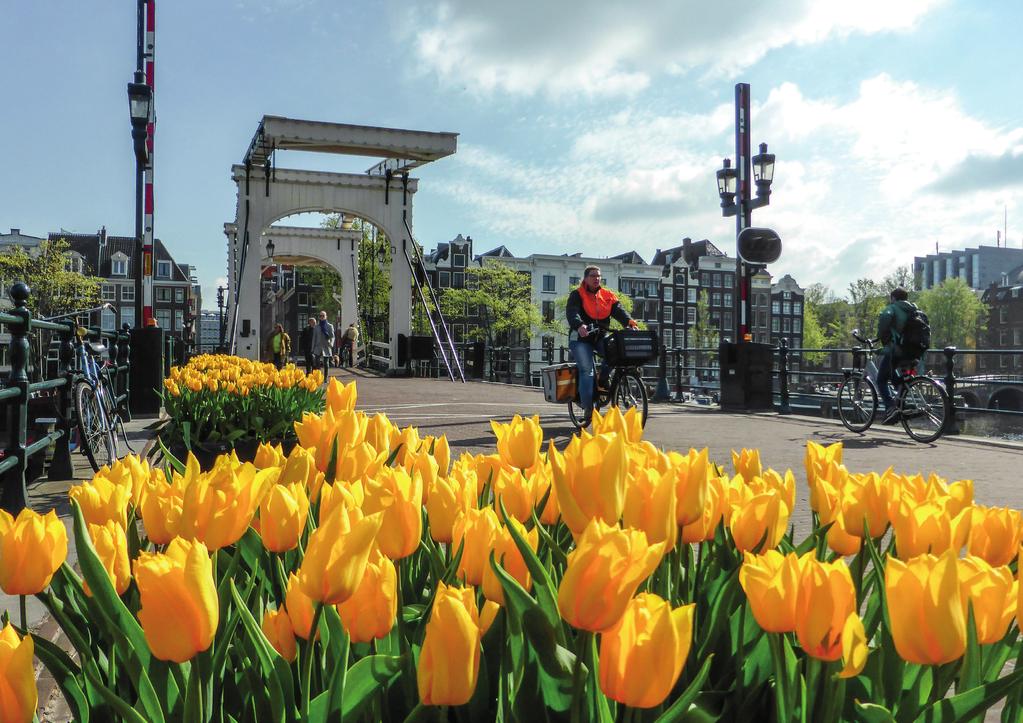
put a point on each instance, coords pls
(97, 417)
(922, 402)
(627, 351)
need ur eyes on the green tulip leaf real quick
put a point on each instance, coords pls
(680, 707)
(364, 680)
(874, 713)
(66, 674)
(971, 703)
(282, 700)
(970, 675)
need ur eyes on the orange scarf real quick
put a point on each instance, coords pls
(597, 306)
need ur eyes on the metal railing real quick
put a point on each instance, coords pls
(18, 394)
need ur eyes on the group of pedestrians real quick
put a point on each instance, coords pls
(316, 344)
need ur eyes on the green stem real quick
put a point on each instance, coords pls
(578, 677)
(409, 674)
(310, 645)
(782, 696)
(24, 613)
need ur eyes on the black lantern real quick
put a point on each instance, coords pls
(727, 180)
(270, 248)
(763, 171)
(140, 101)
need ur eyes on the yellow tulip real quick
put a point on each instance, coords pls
(995, 534)
(442, 454)
(839, 538)
(101, 500)
(32, 548)
(650, 506)
(359, 462)
(449, 663)
(692, 476)
(18, 694)
(410, 442)
(310, 430)
(772, 584)
(826, 599)
(747, 463)
(642, 655)
(371, 611)
(543, 481)
(488, 467)
(519, 441)
(218, 506)
(516, 492)
(865, 502)
(447, 498)
(179, 608)
(508, 556)
(854, 647)
(399, 499)
(590, 479)
(160, 507)
(299, 607)
(277, 629)
(817, 457)
(1019, 588)
(268, 455)
(629, 425)
(474, 531)
(926, 608)
(757, 518)
(704, 528)
(603, 572)
(993, 593)
(336, 556)
(282, 516)
(133, 473)
(381, 434)
(112, 549)
(341, 397)
(930, 528)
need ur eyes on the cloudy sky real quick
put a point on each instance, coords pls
(584, 126)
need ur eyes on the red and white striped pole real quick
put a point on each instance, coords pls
(149, 54)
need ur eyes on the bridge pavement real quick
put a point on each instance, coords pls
(462, 412)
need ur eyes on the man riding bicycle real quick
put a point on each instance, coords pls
(890, 324)
(589, 310)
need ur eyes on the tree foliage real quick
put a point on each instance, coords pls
(957, 316)
(55, 289)
(503, 297)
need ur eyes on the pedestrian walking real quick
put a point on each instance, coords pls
(305, 343)
(350, 340)
(323, 344)
(279, 345)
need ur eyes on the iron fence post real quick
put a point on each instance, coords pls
(951, 423)
(493, 369)
(561, 355)
(529, 375)
(783, 376)
(60, 466)
(14, 495)
(124, 360)
(661, 394)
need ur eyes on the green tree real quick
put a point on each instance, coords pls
(503, 297)
(55, 289)
(957, 316)
(374, 270)
(867, 299)
(900, 277)
(814, 336)
(705, 333)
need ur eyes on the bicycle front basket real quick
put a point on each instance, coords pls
(631, 347)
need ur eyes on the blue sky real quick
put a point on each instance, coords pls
(584, 126)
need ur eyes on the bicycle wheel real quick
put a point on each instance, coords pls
(857, 403)
(114, 422)
(575, 413)
(629, 392)
(925, 407)
(94, 437)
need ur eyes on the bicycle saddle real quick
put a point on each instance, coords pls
(97, 348)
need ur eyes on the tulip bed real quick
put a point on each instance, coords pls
(367, 576)
(220, 399)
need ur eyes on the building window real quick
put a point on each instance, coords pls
(108, 320)
(179, 320)
(728, 298)
(668, 296)
(163, 294)
(692, 295)
(1003, 314)
(797, 308)
(119, 267)
(458, 279)
(797, 326)
(715, 298)
(786, 324)
(128, 315)
(774, 325)
(690, 315)
(667, 314)
(775, 307)
(471, 310)
(459, 261)
(163, 318)
(680, 279)
(786, 308)
(548, 311)
(163, 269)
(573, 281)
(548, 283)
(786, 294)
(715, 280)
(445, 279)
(109, 292)
(651, 289)
(76, 264)
(458, 331)
(547, 347)
(1003, 337)
(728, 321)
(303, 298)
(179, 295)
(127, 293)
(1017, 337)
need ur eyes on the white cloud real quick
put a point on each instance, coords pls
(597, 48)
(853, 196)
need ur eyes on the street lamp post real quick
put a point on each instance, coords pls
(734, 190)
(220, 306)
(140, 97)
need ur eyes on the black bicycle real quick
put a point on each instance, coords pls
(627, 351)
(922, 402)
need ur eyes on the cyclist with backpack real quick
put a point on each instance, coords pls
(903, 329)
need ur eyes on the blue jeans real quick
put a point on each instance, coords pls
(885, 376)
(582, 352)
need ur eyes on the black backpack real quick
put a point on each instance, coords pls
(916, 336)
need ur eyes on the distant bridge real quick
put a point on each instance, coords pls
(992, 391)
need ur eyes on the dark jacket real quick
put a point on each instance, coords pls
(305, 340)
(577, 316)
(891, 321)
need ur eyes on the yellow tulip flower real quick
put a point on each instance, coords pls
(817, 457)
(692, 476)
(336, 556)
(746, 464)
(757, 517)
(399, 499)
(826, 599)
(995, 534)
(629, 425)
(371, 611)
(642, 655)
(447, 498)
(854, 647)
(179, 609)
(277, 628)
(519, 441)
(603, 572)
(299, 608)
(160, 508)
(650, 506)
(449, 663)
(590, 479)
(18, 693)
(993, 593)
(341, 397)
(926, 608)
(32, 548)
(102, 500)
(930, 527)
(112, 549)
(474, 531)
(268, 455)
(772, 583)
(706, 526)
(508, 556)
(282, 516)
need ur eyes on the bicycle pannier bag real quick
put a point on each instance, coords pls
(631, 347)
(560, 383)
(916, 336)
